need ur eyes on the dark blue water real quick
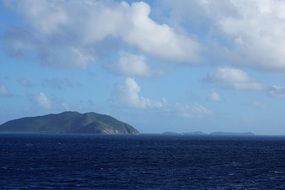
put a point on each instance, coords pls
(141, 162)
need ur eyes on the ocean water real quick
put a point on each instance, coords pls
(141, 162)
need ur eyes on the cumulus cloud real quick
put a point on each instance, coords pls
(43, 101)
(129, 95)
(159, 40)
(234, 78)
(133, 65)
(4, 92)
(215, 97)
(252, 32)
(67, 34)
(238, 79)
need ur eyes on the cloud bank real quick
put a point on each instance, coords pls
(77, 33)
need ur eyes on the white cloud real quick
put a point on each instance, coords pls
(133, 65)
(258, 32)
(252, 32)
(43, 101)
(51, 103)
(215, 97)
(71, 33)
(128, 95)
(234, 78)
(66, 56)
(240, 80)
(159, 40)
(38, 11)
(4, 92)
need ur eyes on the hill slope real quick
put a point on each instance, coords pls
(69, 122)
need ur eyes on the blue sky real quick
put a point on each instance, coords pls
(159, 65)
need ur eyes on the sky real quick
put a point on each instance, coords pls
(160, 65)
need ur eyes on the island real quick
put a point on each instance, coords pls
(69, 122)
(218, 133)
(221, 133)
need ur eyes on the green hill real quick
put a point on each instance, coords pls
(69, 122)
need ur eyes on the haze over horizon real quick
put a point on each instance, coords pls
(182, 66)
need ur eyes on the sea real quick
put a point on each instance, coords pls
(141, 162)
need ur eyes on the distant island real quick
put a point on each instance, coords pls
(69, 122)
(232, 134)
(199, 133)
